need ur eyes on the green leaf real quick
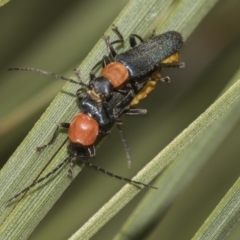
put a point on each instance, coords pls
(224, 217)
(3, 2)
(20, 218)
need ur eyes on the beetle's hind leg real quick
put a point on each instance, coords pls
(173, 65)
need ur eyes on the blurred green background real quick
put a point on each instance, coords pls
(56, 36)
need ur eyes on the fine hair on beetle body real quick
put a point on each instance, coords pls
(125, 79)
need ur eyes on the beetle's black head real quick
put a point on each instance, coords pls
(102, 87)
(78, 151)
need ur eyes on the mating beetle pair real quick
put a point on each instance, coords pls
(125, 79)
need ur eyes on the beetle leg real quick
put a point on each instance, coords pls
(124, 103)
(136, 111)
(91, 74)
(54, 136)
(112, 50)
(162, 79)
(173, 65)
(104, 61)
(119, 34)
(132, 40)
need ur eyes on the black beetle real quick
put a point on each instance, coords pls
(138, 64)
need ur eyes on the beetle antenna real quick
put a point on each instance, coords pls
(89, 164)
(55, 75)
(60, 165)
